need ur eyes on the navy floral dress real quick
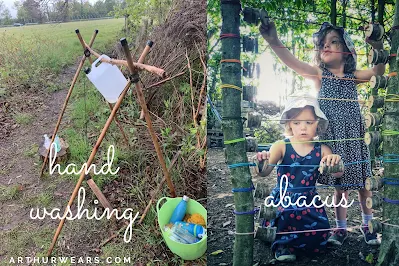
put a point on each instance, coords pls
(301, 182)
(345, 122)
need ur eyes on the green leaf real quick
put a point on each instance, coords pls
(217, 252)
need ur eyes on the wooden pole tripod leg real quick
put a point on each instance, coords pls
(88, 163)
(143, 104)
(145, 52)
(91, 62)
(141, 60)
(62, 111)
(83, 43)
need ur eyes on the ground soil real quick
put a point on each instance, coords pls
(19, 164)
(221, 235)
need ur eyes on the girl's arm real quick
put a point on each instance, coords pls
(376, 70)
(273, 156)
(269, 33)
(330, 159)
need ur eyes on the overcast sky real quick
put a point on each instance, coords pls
(9, 4)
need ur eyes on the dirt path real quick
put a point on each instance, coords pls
(221, 225)
(20, 184)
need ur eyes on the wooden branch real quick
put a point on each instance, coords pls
(152, 69)
(203, 84)
(191, 88)
(163, 81)
(147, 117)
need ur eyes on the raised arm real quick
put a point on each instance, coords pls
(269, 33)
(273, 156)
(376, 70)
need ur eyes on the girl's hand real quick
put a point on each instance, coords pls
(269, 32)
(263, 156)
(375, 44)
(261, 160)
(331, 159)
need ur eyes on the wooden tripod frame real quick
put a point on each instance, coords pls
(82, 61)
(134, 78)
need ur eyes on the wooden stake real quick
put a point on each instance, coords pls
(96, 190)
(141, 60)
(140, 96)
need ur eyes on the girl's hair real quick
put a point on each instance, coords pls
(350, 64)
(294, 112)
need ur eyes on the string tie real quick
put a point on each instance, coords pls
(231, 86)
(231, 166)
(247, 189)
(234, 140)
(247, 212)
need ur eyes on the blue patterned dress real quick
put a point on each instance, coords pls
(301, 182)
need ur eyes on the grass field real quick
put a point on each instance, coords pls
(33, 53)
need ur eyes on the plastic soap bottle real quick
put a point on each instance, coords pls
(57, 143)
(195, 229)
(46, 141)
(180, 210)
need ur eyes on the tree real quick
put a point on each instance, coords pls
(33, 11)
(2, 7)
(5, 17)
(389, 255)
(230, 73)
(22, 13)
(137, 10)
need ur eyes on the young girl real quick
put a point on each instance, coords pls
(335, 59)
(303, 120)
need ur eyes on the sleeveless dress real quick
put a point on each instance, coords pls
(301, 182)
(345, 122)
